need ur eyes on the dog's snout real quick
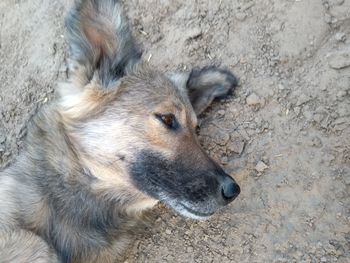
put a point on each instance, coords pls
(229, 189)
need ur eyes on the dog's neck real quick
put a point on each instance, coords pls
(81, 208)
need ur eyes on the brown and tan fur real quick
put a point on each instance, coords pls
(119, 138)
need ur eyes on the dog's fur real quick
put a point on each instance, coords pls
(120, 137)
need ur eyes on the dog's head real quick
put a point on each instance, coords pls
(132, 126)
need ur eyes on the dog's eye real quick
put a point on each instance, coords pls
(169, 120)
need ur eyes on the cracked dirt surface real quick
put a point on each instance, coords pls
(284, 135)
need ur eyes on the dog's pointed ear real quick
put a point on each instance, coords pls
(206, 84)
(101, 44)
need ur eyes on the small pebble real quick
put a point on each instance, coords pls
(241, 16)
(236, 145)
(339, 59)
(221, 112)
(296, 110)
(316, 142)
(189, 249)
(193, 33)
(224, 160)
(340, 37)
(328, 18)
(318, 117)
(253, 99)
(221, 138)
(339, 2)
(303, 99)
(261, 167)
(281, 87)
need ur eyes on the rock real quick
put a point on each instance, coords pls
(254, 99)
(303, 99)
(258, 122)
(241, 16)
(339, 59)
(54, 49)
(221, 138)
(328, 18)
(340, 127)
(261, 167)
(346, 178)
(307, 114)
(224, 160)
(342, 120)
(318, 117)
(247, 5)
(316, 142)
(2, 138)
(296, 110)
(340, 37)
(281, 87)
(325, 122)
(341, 94)
(156, 38)
(236, 145)
(189, 249)
(193, 33)
(338, 2)
(341, 123)
(221, 113)
(343, 110)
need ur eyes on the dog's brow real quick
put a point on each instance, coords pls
(178, 106)
(194, 120)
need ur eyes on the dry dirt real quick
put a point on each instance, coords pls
(290, 115)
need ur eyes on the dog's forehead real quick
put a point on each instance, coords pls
(154, 89)
(173, 99)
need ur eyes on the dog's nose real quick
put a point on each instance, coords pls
(230, 189)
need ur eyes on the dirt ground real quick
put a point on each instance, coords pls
(284, 135)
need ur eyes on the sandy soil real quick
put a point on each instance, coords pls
(285, 135)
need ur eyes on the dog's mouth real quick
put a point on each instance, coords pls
(185, 210)
(194, 213)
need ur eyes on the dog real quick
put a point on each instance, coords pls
(119, 137)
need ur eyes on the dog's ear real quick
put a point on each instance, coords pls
(100, 42)
(206, 84)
